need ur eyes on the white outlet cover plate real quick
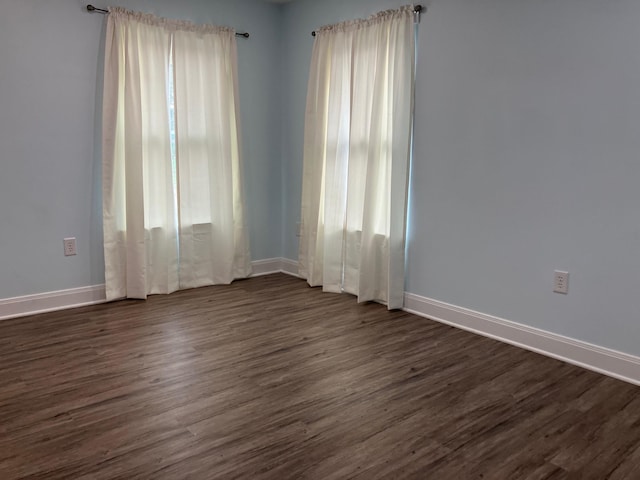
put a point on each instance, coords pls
(70, 246)
(561, 282)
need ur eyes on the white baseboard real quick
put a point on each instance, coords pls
(593, 357)
(266, 267)
(51, 301)
(83, 296)
(599, 359)
(274, 265)
(290, 267)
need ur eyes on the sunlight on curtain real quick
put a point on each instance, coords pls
(172, 179)
(356, 157)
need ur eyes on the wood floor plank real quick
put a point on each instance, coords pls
(270, 379)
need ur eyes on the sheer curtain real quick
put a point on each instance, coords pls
(356, 157)
(172, 177)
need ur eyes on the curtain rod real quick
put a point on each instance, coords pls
(417, 10)
(91, 8)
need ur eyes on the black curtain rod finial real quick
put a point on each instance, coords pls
(91, 8)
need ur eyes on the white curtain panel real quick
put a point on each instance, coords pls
(213, 237)
(356, 157)
(170, 221)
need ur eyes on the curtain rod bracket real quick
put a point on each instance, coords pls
(417, 10)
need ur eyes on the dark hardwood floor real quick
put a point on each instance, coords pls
(270, 379)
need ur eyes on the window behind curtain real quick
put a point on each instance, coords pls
(356, 157)
(173, 208)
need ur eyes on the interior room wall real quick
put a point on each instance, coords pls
(526, 151)
(51, 56)
(526, 158)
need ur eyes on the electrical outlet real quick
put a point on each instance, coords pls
(70, 246)
(561, 282)
(298, 229)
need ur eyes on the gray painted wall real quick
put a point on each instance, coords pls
(50, 107)
(527, 158)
